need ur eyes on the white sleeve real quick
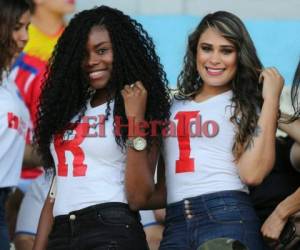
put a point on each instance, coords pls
(7, 135)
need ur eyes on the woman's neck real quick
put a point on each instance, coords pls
(209, 91)
(99, 98)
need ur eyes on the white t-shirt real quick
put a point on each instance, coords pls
(14, 124)
(198, 150)
(96, 174)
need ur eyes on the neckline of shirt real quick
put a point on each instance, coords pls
(214, 98)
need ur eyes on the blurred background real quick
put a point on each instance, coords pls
(274, 26)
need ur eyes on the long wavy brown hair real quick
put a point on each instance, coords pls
(10, 12)
(247, 91)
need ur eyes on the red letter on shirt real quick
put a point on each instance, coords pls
(185, 163)
(61, 146)
(13, 121)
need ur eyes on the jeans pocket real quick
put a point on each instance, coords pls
(125, 229)
(116, 219)
(225, 214)
(112, 245)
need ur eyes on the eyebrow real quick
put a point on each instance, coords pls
(100, 44)
(222, 46)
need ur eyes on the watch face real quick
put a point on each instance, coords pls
(139, 143)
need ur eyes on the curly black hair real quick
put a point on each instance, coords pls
(66, 89)
(295, 92)
(10, 13)
(247, 92)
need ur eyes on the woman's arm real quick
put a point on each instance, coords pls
(140, 165)
(46, 221)
(295, 156)
(259, 156)
(293, 130)
(31, 158)
(139, 177)
(274, 224)
(158, 198)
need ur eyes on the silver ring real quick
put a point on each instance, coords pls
(131, 85)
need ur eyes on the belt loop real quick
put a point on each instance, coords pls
(72, 219)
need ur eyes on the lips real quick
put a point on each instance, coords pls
(97, 74)
(70, 1)
(214, 71)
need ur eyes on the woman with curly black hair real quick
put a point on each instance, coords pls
(225, 122)
(104, 84)
(14, 116)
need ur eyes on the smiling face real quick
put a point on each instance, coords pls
(20, 31)
(216, 59)
(99, 60)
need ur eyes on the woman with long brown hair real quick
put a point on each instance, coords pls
(14, 116)
(225, 117)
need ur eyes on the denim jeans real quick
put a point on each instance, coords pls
(4, 237)
(108, 226)
(193, 221)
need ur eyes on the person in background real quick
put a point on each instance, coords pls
(48, 23)
(278, 197)
(152, 221)
(14, 117)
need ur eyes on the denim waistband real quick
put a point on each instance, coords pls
(5, 190)
(231, 194)
(203, 203)
(93, 211)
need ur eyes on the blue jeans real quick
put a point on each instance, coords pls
(193, 221)
(4, 237)
(108, 226)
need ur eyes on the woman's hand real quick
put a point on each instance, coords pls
(272, 83)
(135, 100)
(273, 226)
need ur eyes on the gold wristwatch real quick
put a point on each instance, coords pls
(137, 143)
